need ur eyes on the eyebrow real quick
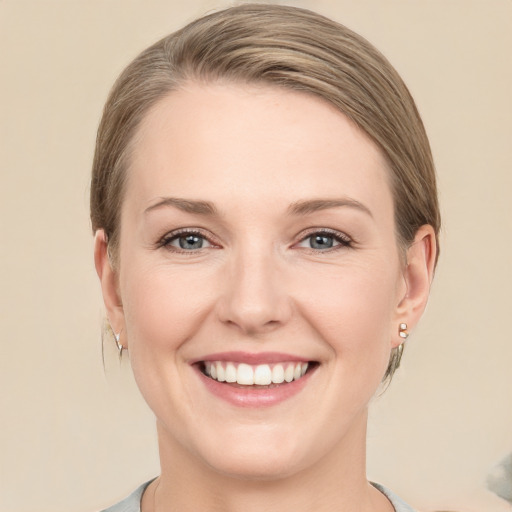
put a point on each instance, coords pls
(297, 208)
(186, 205)
(314, 205)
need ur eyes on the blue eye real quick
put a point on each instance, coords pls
(190, 242)
(322, 241)
(186, 241)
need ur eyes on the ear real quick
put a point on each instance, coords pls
(417, 274)
(109, 283)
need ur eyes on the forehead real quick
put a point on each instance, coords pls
(228, 140)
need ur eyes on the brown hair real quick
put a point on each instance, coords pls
(285, 47)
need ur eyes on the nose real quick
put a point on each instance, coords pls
(254, 296)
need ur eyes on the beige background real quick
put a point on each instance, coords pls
(76, 437)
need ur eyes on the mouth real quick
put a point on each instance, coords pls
(256, 380)
(256, 376)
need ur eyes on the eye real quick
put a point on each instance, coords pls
(186, 241)
(325, 240)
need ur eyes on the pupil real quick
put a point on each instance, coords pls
(191, 242)
(321, 242)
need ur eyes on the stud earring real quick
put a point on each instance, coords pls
(120, 347)
(402, 331)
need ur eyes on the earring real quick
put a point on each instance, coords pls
(120, 347)
(402, 331)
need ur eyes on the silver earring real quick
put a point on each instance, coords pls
(402, 331)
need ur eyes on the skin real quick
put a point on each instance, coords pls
(258, 285)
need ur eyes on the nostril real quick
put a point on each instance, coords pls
(253, 300)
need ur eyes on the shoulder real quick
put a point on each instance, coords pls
(131, 503)
(398, 503)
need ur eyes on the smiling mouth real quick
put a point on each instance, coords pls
(261, 375)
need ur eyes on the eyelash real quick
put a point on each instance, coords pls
(165, 241)
(343, 240)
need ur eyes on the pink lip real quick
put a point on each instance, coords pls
(251, 358)
(253, 396)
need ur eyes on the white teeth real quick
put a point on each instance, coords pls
(221, 373)
(288, 373)
(278, 374)
(245, 374)
(263, 375)
(230, 372)
(260, 375)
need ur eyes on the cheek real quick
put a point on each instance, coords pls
(165, 307)
(162, 307)
(163, 310)
(354, 312)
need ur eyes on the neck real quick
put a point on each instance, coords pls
(336, 482)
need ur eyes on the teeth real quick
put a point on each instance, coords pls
(230, 372)
(244, 375)
(221, 373)
(288, 373)
(278, 374)
(261, 375)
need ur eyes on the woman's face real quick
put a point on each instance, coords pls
(257, 238)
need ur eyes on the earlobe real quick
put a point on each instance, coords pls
(418, 274)
(109, 282)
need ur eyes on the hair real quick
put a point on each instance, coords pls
(279, 46)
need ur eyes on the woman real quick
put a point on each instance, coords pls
(265, 214)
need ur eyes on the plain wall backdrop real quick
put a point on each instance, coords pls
(76, 436)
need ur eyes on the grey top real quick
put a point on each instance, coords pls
(132, 502)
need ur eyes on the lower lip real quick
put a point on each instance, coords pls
(253, 396)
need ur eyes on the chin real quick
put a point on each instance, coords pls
(256, 467)
(254, 455)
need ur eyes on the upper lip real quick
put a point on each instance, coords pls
(251, 358)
